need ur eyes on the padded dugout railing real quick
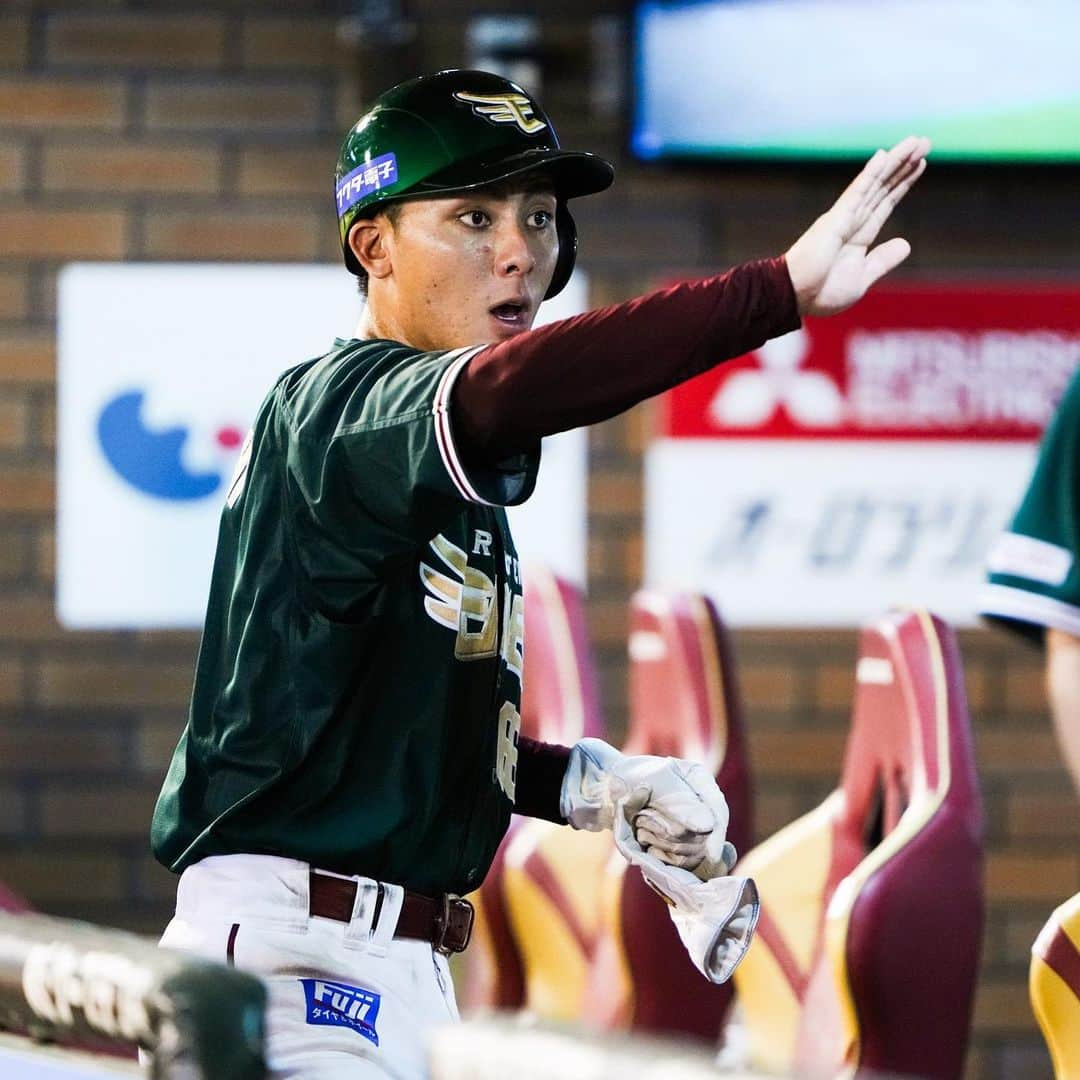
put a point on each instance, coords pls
(68, 981)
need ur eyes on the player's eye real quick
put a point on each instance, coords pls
(475, 219)
(541, 219)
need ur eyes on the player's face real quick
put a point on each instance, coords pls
(470, 269)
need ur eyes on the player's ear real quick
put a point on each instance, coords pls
(368, 242)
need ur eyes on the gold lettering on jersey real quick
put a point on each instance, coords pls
(513, 633)
(465, 603)
(506, 749)
(513, 569)
(504, 109)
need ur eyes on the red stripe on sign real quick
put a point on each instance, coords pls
(978, 360)
(1061, 956)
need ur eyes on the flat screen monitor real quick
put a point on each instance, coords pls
(987, 80)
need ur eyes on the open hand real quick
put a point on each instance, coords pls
(832, 264)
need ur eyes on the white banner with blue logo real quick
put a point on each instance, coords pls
(161, 368)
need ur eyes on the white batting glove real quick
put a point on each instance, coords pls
(674, 807)
(715, 918)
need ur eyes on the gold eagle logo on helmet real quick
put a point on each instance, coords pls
(504, 109)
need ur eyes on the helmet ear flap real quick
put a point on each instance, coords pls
(566, 231)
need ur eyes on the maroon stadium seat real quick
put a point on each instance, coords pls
(1054, 986)
(872, 904)
(684, 702)
(559, 703)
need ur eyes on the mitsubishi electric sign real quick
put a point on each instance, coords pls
(863, 461)
(161, 371)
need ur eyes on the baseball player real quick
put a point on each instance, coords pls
(352, 754)
(1034, 579)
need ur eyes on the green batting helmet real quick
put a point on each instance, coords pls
(451, 132)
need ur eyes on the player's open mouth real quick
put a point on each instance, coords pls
(513, 313)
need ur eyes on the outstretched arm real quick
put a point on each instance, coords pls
(832, 264)
(590, 367)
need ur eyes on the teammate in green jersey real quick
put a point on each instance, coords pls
(352, 754)
(1034, 580)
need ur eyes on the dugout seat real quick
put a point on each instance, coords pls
(546, 869)
(872, 905)
(684, 702)
(1054, 985)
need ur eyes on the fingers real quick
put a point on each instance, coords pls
(912, 147)
(856, 196)
(902, 158)
(674, 801)
(690, 846)
(903, 184)
(671, 841)
(878, 173)
(673, 829)
(886, 257)
(888, 174)
(898, 185)
(705, 860)
(717, 864)
(683, 862)
(867, 233)
(885, 206)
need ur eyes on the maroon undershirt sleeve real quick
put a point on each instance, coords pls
(538, 781)
(590, 367)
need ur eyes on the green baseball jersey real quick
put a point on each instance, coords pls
(1034, 579)
(357, 693)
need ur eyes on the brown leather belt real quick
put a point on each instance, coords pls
(445, 922)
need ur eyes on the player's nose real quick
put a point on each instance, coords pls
(513, 254)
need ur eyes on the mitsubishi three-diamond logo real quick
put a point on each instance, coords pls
(749, 399)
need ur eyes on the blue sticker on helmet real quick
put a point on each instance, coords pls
(364, 180)
(340, 1005)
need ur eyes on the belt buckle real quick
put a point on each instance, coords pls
(453, 925)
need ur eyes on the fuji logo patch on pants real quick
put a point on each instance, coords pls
(340, 1005)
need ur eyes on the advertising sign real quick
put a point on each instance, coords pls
(862, 461)
(161, 370)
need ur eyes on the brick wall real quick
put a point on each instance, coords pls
(131, 132)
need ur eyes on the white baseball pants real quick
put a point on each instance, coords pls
(345, 999)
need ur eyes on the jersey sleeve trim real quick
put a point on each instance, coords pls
(1018, 555)
(1007, 602)
(444, 433)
